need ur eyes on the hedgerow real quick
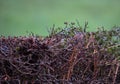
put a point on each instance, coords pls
(70, 55)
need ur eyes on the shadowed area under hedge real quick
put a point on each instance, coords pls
(67, 56)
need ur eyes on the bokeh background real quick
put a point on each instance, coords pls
(17, 17)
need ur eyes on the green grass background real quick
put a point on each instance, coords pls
(19, 16)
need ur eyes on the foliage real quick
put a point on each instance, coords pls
(68, 55)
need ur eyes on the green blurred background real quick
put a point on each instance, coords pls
(19, 16)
